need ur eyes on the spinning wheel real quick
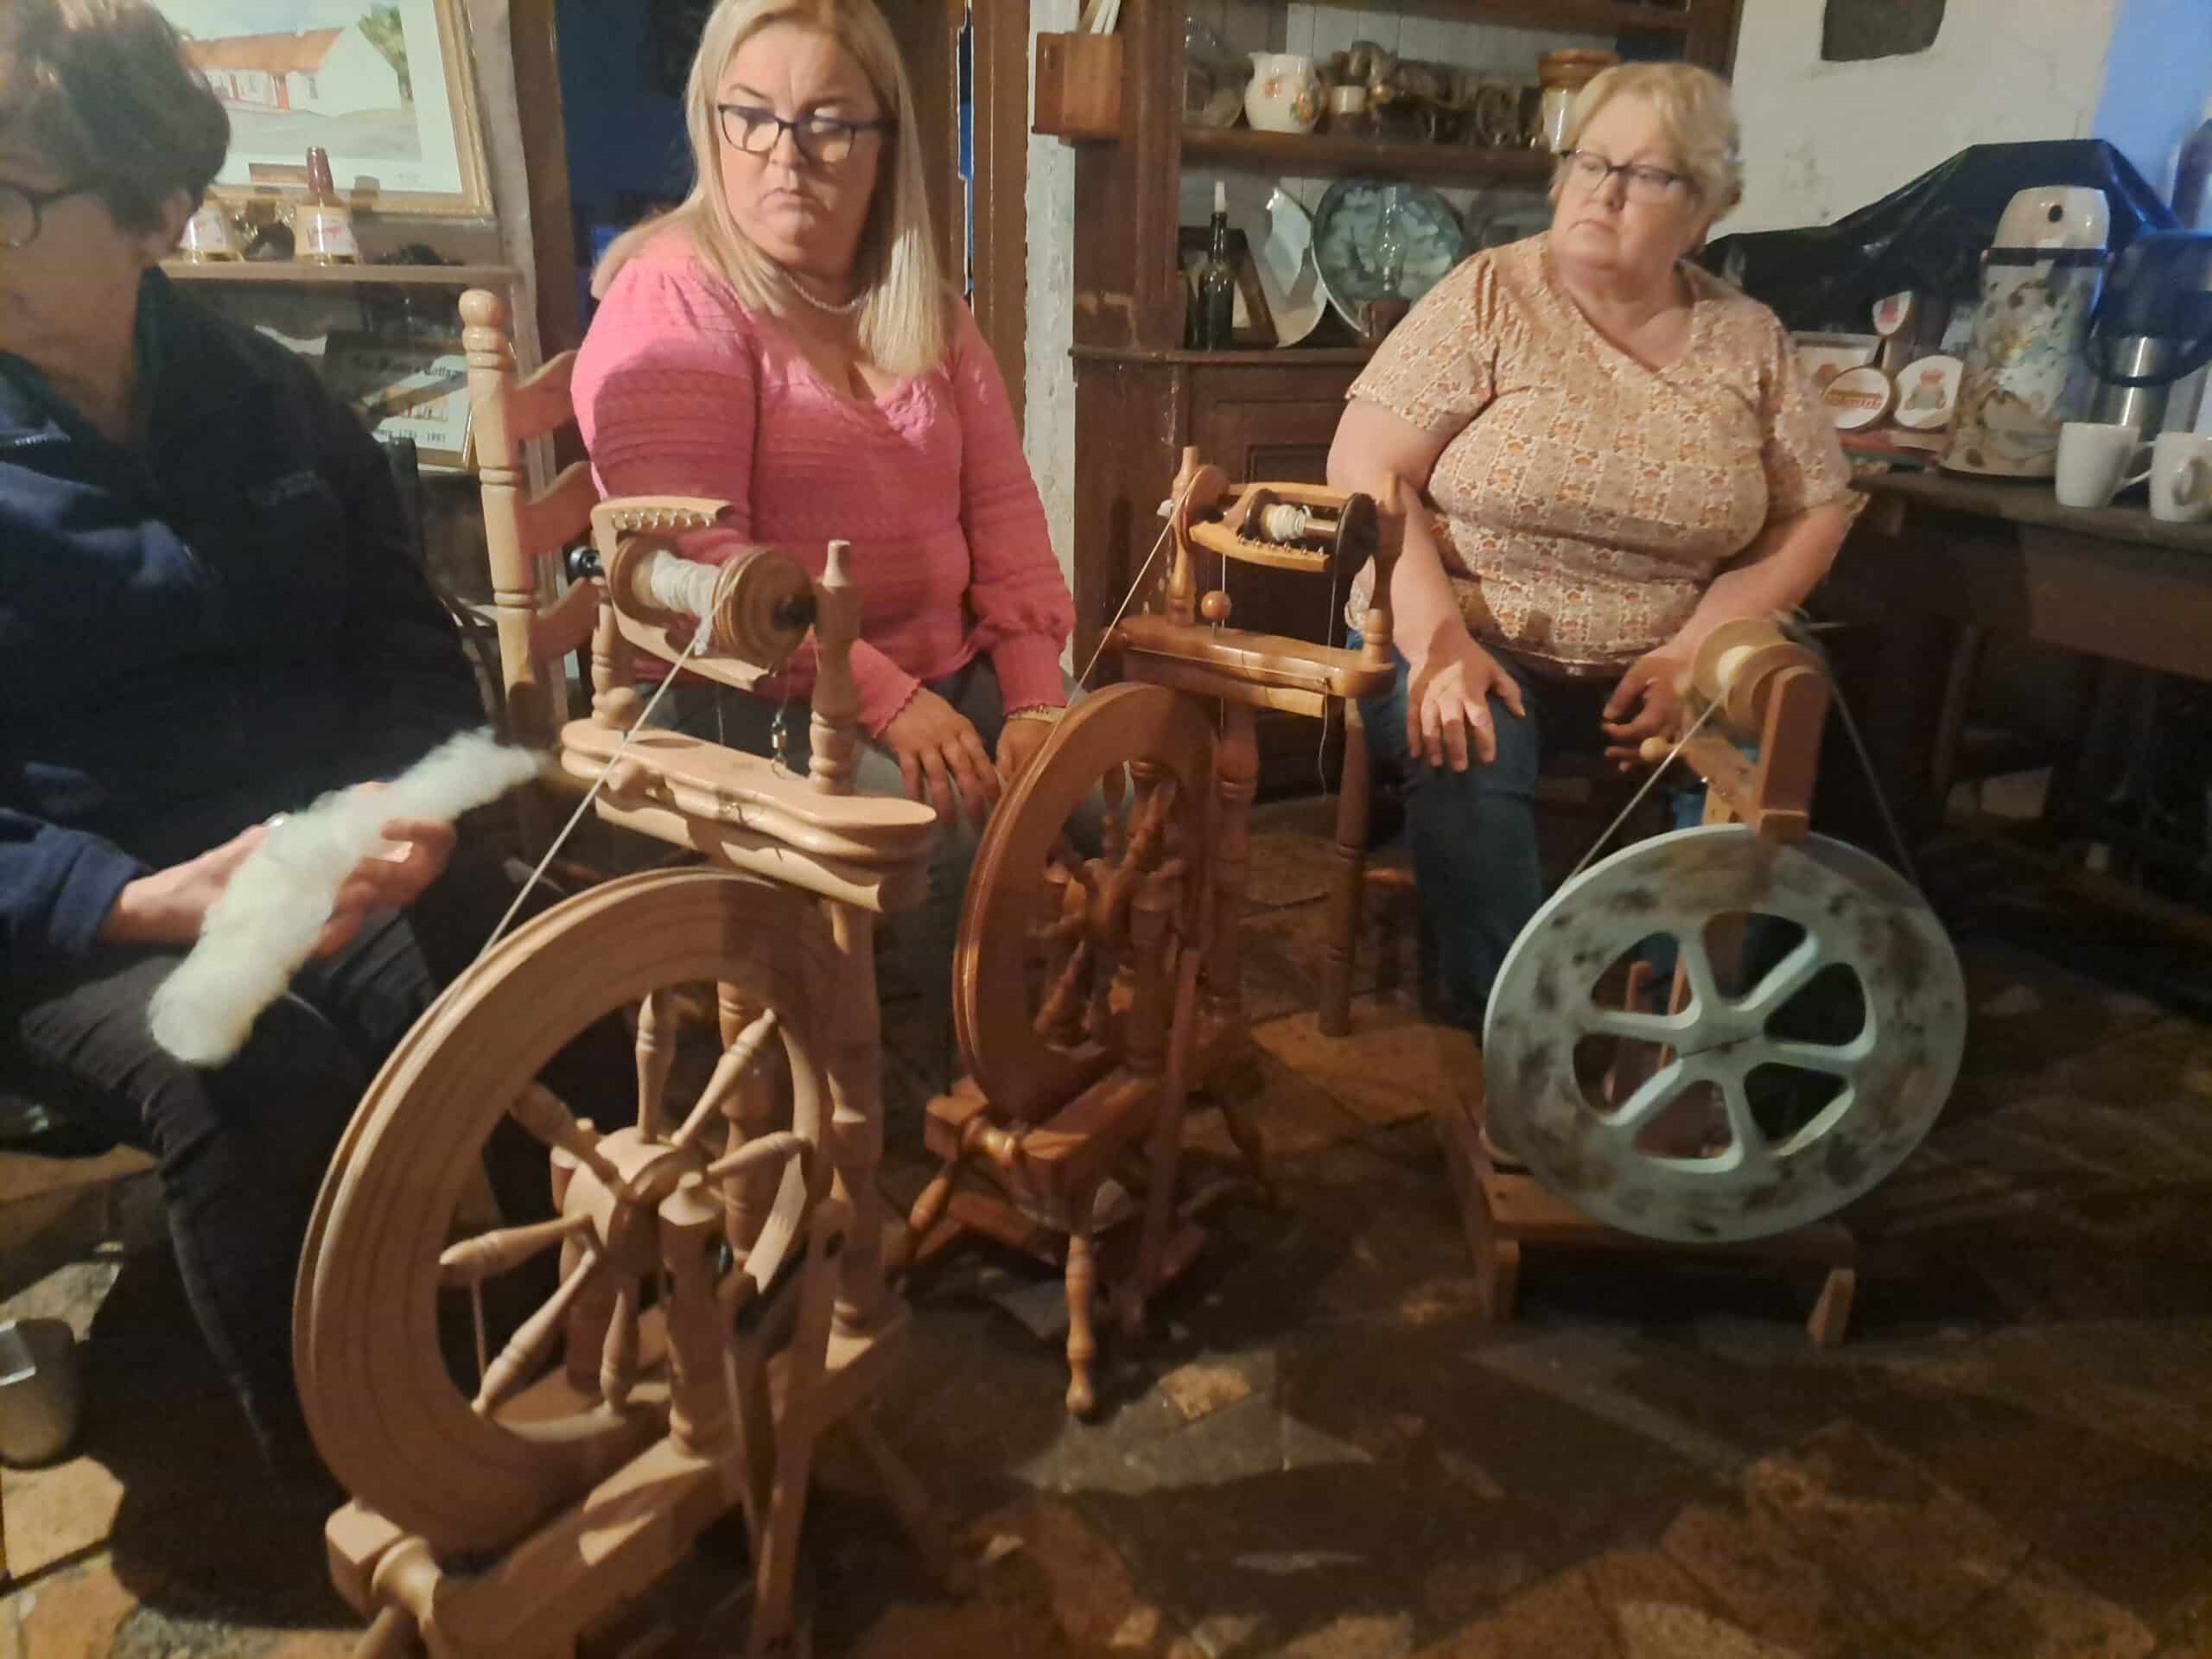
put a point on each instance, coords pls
(1814, 1029)
(716, 1301)
(1776, 1159)
(1083, 915)
(1093, 992)
(679, 1238)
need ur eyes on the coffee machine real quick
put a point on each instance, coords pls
(2150, 339)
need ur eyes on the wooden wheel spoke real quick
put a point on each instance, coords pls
(474, 1260)
(531, 1346)
(769, 1148)
(1061, 1002)
(544, 1113)
(618, 1365)
(656, 1046)
(1077, 868)
(730, 1071)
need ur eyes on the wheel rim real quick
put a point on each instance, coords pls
(391, 1420)
(1020, 1072)
(1894, 1074)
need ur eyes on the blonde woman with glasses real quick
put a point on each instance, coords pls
(785, 341)
(1619, 454)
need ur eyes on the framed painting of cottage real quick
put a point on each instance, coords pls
(386, 86)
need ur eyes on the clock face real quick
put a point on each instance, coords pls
(1377, 241)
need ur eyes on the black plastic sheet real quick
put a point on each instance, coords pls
(1927, 236)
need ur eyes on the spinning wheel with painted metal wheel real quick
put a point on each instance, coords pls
(1749, 1122)
(682, 1241)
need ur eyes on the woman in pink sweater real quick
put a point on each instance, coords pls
(785, 341)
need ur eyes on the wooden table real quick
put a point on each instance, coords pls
(1938, 561)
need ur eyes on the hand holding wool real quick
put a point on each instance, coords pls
(304, 884)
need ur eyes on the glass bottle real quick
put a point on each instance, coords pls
(325, 224)
(1217, 283)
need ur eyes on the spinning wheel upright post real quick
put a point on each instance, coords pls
(1810, 1034)
(719, 1300)
(1093, 992)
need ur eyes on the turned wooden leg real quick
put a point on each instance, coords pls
(1082, 1282)
(1498, 1279)
(775, 1629)
(749, 1113)
(1353, 805)
(930, 1207)
(1832, 1314)
(1236, 773)
(856, 1115)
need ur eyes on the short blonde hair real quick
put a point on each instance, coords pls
(904, 325)
(1694, 112)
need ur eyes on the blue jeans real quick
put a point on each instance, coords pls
(1473, 833)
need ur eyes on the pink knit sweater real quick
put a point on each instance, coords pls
(680, 390)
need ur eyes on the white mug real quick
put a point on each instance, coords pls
(2097, 461)
(2181, 477)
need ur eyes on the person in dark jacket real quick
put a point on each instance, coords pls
(208, 614)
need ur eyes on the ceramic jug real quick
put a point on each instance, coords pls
(2026, 374)
(1285, 93)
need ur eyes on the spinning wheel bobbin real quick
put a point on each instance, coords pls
(757, 604)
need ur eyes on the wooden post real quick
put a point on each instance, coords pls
(1236, 773)
(836, 698)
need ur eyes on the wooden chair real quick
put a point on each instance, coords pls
(1385, 894)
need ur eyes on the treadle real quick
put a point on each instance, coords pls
(1503, 1210)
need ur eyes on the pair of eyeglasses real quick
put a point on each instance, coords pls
(1587, 170)
(822, 140)
(22, 211)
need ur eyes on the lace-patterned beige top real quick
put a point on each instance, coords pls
(1584, 500)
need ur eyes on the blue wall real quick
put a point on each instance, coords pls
(2157, 77)
(624, 138)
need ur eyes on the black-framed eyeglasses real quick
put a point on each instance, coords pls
(823, 140)
(22, 211)
(1587, 170)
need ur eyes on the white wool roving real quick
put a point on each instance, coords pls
(264, 927)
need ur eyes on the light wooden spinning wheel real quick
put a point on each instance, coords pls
(708, 1297)
(1096, 988)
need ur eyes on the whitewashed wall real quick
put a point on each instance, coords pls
(1048, 422)
(1821, 139)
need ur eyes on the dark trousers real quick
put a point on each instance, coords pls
(243, 1148)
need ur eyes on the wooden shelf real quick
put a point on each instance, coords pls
(1596, 17)
(1277, 357)
(295, 273)
(1319, 156)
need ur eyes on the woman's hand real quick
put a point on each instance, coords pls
(170, 906)
(1447, 696)
(1019, 743)
(1646, 703)
(939, 750)
(416, 854)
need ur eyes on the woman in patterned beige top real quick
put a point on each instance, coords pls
(1621, 455)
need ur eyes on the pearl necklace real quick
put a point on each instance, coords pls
(791, 280)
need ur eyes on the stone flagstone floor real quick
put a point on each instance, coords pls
(1324, 1454)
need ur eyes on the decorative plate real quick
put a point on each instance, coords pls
(1377, 241)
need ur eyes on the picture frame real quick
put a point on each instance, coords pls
(388, 87)
(1255, 323)
(405, 388)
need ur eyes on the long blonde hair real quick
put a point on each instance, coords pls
(903, 326)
